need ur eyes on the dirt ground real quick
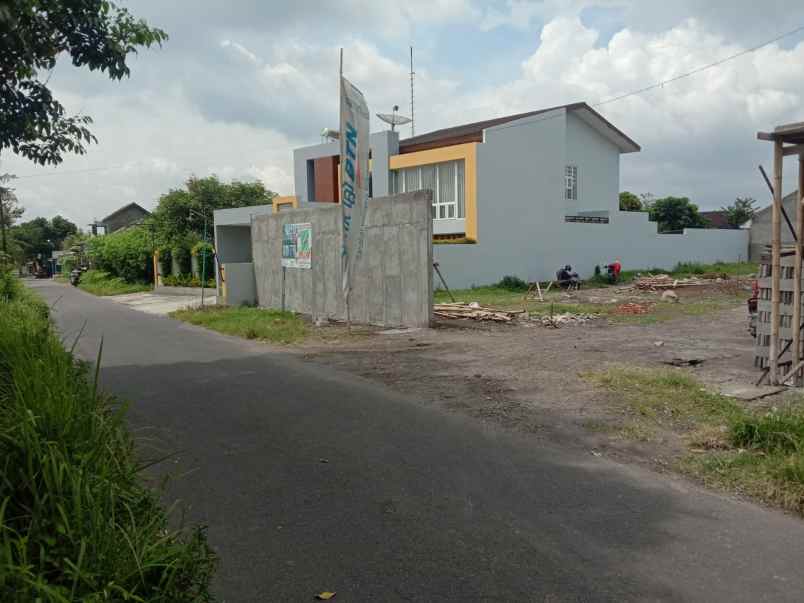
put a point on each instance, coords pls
(528, 377)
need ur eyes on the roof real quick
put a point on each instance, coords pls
(114, 214)
(473, 132)
(717, 218)
(790, 133)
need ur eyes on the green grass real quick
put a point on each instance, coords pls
(251, 323)
(76, 521)
(681, 270)
(760, 454)
(664, 311)
(98, 282)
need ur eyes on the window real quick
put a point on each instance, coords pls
(444, 179)
(571, 183)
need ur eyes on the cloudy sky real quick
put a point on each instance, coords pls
(241, 83)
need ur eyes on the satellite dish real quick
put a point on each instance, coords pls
(393, 119)
(330, 134)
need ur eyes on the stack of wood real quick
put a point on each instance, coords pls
(474, 311)
(663, 281)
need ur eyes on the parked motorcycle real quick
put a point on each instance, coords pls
(75, 277)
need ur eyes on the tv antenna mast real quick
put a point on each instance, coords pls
(394, 119)
(412, 114)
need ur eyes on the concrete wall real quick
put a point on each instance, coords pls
(240, 287)
(392, 284)
(761, 227)
(521, 209)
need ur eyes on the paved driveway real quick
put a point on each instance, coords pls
(161, 303)
(312, 480)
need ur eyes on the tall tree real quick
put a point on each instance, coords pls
(41, 236)
(10, 210)
(739, 212)
(629, 202)
(95, 34)
(676, 213)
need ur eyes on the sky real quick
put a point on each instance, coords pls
(240, 84)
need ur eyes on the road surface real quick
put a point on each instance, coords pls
(310, 480)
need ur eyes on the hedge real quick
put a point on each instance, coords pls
(126, 253)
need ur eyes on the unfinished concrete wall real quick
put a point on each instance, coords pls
(761, 228)
(392, 284)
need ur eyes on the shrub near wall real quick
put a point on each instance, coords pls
(76, 523)
(126, 253)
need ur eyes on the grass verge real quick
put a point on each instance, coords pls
(756, 453)
(76, 521)
(248, 322)
(98, 282)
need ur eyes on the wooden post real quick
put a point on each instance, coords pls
(796, 357)
(776, 256)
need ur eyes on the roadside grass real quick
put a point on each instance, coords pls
(248, 322)
(102, 283)
(758, 453)
(681, 270)
(77, 523)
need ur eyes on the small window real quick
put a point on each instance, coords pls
(571, 183)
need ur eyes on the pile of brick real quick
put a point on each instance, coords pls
(631, 308)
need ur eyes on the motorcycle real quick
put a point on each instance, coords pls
(75, 277)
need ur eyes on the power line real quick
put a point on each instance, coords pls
(636, 92)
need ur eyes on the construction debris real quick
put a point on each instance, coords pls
(557, 320)
(631, 308)
(663, 281)
(669, 295)
(474, 311)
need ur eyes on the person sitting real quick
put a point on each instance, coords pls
(566, 278)
(614, 270)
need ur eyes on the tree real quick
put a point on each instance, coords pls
(739, 212)
(41, 237)
(33, 33)
(179, 216)
(10, 210)
(629, 202)
(676, 213)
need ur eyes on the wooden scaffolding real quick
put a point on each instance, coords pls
(788, 140)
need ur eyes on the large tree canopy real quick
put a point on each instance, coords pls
(676, 213)
(94, 33)
(180, 213)
(40, 236)
(630, 202)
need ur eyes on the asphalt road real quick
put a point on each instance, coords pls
(411, 504)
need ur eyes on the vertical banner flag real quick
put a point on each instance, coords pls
(354, 175)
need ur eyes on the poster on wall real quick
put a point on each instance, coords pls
(297, 245)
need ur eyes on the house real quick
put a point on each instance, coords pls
(760, 231)
(522, 195)
(128, 215)
(717, 219)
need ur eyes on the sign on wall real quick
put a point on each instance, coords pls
(297, 245)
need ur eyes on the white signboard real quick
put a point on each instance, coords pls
(354, 175)
(297, 245)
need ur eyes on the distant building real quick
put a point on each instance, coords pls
(760, 238)
(126, 216)
(718, 219)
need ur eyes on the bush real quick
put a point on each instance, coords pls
(126, 253)
(165, 261)
(690, 268)
(181, 254)
(778, 431)
(76, 523)
(512, 283)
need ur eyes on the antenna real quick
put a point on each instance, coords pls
(412, 114)
(394, 119)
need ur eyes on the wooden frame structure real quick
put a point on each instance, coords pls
(787, 140)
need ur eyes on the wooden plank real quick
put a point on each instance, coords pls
(764, 136)
(796, 149)
(776, 268)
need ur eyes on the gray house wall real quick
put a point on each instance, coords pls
(521, 210)
(392, 283)
(761, 227)
(598, 161)
(126, 217)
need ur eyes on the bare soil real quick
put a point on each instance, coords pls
(528, 377)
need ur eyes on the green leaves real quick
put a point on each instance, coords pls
(95, 34)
